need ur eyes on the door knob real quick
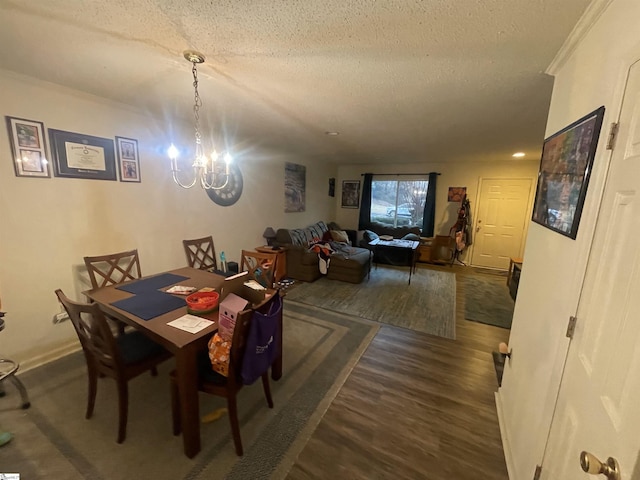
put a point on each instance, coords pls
(591, 464)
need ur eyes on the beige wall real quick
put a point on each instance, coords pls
(590, 75)
(48, 225)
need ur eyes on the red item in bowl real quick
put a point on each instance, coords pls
(203, 300)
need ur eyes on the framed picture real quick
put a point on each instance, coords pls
(456, 194)
(82, 156)
(350, 193)
(28, 147)
(128, 160)
(295, 186)
(567, 159)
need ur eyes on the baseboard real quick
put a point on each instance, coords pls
(50, 356)
(505, 438)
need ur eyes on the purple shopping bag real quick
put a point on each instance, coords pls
(263, 341)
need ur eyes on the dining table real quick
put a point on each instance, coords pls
(145, 305)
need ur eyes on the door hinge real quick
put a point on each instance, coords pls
(537, 473)
(613, 131)
(571, 328)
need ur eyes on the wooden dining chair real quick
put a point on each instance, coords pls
(114, 268)
(228, 387)
(121, 358)
(201, 253)
(261, 266)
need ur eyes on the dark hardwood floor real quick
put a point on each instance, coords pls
(414, 407)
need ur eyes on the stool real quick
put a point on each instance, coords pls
(8, 369)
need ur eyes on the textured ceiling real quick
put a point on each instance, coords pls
(402, 81)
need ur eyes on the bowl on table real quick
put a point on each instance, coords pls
(202, 302)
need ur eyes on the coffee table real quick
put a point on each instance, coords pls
(410, 247)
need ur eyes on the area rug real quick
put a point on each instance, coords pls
(427, 305)
(487, 299)
(53, 439)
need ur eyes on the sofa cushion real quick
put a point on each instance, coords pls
(369, 236)
(411, 236)
(339, 236)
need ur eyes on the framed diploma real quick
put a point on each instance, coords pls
(82, 156)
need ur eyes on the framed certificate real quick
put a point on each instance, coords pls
(82, 156)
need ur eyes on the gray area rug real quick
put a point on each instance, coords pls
(53, 439)
(427, 305)
(487, 300)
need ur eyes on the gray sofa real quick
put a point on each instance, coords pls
(348, 263)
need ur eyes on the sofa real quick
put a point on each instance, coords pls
(347, 262)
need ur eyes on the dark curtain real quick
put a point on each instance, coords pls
(365, 203)
(428, 219)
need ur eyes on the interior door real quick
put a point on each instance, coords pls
(597, 409)
(503, 210)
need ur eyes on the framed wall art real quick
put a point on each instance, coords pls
(350, 193)
(128, 160)
(295, 185)
(565, 167)
(82, 156)
(28, 148)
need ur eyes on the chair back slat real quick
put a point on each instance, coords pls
(201, 253)
(114, 268)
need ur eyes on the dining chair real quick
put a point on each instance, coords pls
(201, 253)
(121, 358)
(260, 265)
(112, 269)
(213, 383)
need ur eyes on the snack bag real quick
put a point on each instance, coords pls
(219, 354)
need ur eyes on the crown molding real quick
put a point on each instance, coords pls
(593, 12)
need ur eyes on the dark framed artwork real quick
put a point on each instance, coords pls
(350, 193)
(29, 147)
(295, 184)
(82, 156)
(565, 168)
(128, 160)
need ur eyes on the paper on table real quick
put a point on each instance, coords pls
(190, 323)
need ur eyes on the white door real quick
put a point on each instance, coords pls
(598, 404)
(503, 210)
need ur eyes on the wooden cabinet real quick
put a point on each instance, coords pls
(281, 262)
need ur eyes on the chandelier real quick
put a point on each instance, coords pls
(211, 172)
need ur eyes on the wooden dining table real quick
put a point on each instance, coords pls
(182, 344)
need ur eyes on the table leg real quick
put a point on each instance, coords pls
(187, 373)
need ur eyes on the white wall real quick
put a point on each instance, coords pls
(48, 224)
(554, 266)
(451, 175)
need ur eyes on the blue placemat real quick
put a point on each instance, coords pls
(153, 283)
(150, 304)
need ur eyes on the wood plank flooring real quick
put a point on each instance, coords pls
(415, 407)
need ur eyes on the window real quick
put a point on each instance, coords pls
(398, 202)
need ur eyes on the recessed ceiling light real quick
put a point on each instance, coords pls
(518, 155)
(332, 134)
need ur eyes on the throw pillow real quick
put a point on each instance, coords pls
(369, 236)
(411, 236)
(339, 236)
(327, 237)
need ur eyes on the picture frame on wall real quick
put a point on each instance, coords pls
(350, 193)
(563, 178)
(28, 148)
(76, 155)
(128, 159)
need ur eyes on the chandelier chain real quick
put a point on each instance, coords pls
(197, 103)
